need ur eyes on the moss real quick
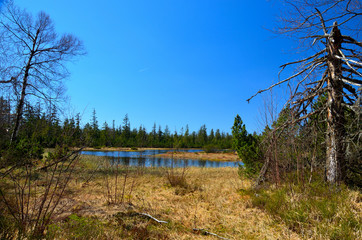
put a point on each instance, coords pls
(77, 227)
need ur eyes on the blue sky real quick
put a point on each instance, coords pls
(171, 62)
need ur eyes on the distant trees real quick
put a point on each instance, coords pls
(330, 30)
(32, 58)
(50, 131)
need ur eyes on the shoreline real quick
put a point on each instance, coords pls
(128, 149)
(176, 154)
(225, 157)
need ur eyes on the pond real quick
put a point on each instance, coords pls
(146, 158)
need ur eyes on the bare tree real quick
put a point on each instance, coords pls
(333, 69)
(33, 57)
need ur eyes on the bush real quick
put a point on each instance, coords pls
(176, 178)
(210, 148)
(30, 194)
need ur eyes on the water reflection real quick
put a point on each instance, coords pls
(146, 159)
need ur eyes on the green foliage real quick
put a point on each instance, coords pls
(50, 132)
(22, 152)
(314, 210)
(210, 148)
(77, 227)
(247, 147)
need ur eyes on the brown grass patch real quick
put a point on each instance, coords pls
(214, 204)
(201, 155)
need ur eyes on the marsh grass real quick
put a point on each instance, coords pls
(216, 204)
(77, 227)
(313, 210)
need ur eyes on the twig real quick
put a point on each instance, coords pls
(203, 231)
(153, 218)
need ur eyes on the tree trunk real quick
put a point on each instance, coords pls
(335, 113)
(20, 106)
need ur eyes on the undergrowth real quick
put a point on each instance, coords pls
(76, 227)
(315, 210)
(123, 225)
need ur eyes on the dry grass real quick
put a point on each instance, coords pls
(122, 149)
(194, 198)
(209, 201)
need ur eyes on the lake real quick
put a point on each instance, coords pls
(146, 159)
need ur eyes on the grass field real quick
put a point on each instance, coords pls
(104, 201)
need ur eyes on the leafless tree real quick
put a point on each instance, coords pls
(33, 57)
(333, 68)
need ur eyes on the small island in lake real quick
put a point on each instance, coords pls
(229, 156)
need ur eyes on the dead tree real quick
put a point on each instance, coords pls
(32, 58)
(337, 59)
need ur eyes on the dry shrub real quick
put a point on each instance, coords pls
(177, 178)
(120, 181)
(30, 194)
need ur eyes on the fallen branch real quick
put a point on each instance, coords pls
(155, 219)
(203, 231)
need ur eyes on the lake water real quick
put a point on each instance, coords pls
(146, 159)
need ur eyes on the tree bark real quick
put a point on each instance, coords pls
(335, 114)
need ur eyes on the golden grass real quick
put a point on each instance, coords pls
(201, 156)
(211, 202)
(127, 149)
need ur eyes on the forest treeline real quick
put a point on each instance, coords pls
(51, 131)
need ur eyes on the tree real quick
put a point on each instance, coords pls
(33, 57)
(126, 130)
(246, 145)
(332, 68)
(202, 136)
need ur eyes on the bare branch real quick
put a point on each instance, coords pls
(322, 22)
(352, 81)
(305, 59)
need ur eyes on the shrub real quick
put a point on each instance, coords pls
(30, 194)
(210, 148)
(176, 178)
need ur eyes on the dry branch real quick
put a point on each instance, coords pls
(204, 232)
(153, 218)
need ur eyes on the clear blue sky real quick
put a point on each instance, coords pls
(173, 62)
